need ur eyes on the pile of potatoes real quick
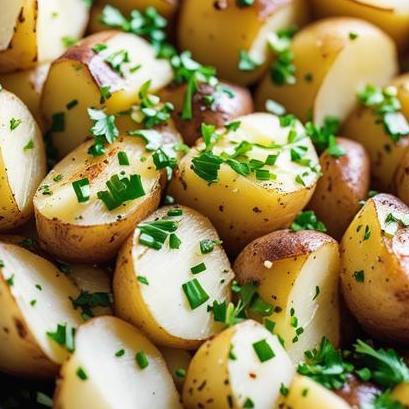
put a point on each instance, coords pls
(142, 195)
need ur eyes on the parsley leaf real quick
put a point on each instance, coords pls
(104, 130)
(307, 220)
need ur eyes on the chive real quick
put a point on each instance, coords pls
(248, 404)
(143, 280)
(232, 355)
(317, 292)
(81, 374)
(198, 268)
(271, 160)
(284, 390)
(72, 104)
(233, 126)
(119, 353)
(207, 245)
(367, 233)
(195, 293)
(359, 276)
(97, 48)
(64, 335)
(180, 373)
(81, 189)
(39, 288)
(15, 123)
(123, 158)
(33, 302)
(263, 350)
(141, 359)
(58, 122)
(29, 145)
(174, 241)
(269, 324)
(175, 212)
(262, 174)
(261, 307)
(10, 281)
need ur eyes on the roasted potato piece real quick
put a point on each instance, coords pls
(214, 105)
(344, 183)
(244, 366)
(106, 63)
(374, 267)
(178, 362)
(74, 223)
(26, 25)
(34, 301)
(326, 81)
(22, 161)
(402, 178)
(114, 366)
(245, 207)
(297, 273)
(216, 32)
(391, 16)
(142, 298)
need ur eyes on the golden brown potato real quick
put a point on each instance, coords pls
(344, 183)
(214, 105)
(402, 178)
(375, 266)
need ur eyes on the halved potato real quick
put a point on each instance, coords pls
(344, 183)
(34, 300)
(401, 181)
(297, 273)
(153, 286)
(22, 161)
(114, 366)
(81, 228)
(81, 77)
(178, 361)
(326, 81)
(25, 30)
(214, 105)
(375, 267)
(245, 207)
(392, 16)
(217, 31)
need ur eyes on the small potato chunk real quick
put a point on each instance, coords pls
(298, 274)
(326, 81)
(22, 161)
(226, 103)
(243, 367)
(244, 205)
(178, 362)
(89, 71)
(216, 32)
(154, 282)
(402, 178)
(34, 300)
(391, 16)
(114, 367)
(78, 226)
(374, 268)
(344, 183)
(26, 26)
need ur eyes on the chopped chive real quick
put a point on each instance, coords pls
(29, 145)
(119, 353)
(198, 268)
(175, 212)
(195, 293)
(10, 281)
(33, 303)
(81, 189)
(15, 123)
(180, 372)
(72, 104)
(141, 359)
(143, 280)
(174, 241)
(248, 404)
(263, 350)
(262, 174)
(359, 276)
(123, 159)
(81, 374)
(269, 324)
(317, 292)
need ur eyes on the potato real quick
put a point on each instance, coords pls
(344, 183)
(401, 393)
(87, 73)
(306, 393)
(374, 267)
(217, 31)
(34, 300)
(27, 85)
(230, 371)
(326, 81)
(402, 178)
(177, 361)
(297, 273)
(391, 16)
(87, 231)
(245, 207)
(227, 103)
(22, 161)
(26, 25)
(114, 366)
(141, 295)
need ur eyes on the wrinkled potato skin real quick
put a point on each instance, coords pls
(345, 182)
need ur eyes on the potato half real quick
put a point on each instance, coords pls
(245, 207)
(34, 300)
(391, 16)
(217, 31)
(22, 161)
(297, 273)
(77, 80)
(326, 81)
(243, 367)
(114, 367)
(344, 183)
(81, 228)
(151, 285)
(374, 267)
(26, 25)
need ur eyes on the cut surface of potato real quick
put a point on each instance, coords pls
(374, 267)
(22, 160)
(34, 300)
(245, 207)
(82, 228)
(114, 366)
(326, 81)
(229, 371)
(297, 273)
(152, 287)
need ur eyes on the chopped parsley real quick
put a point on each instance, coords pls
(29, 145)
(359, 276)
(15, 123)
(207, 245)
(64, 336)
(104, 130)
(87, 301)
(307, 220)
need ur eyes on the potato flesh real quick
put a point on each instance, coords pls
(8, 20)
(115, 382)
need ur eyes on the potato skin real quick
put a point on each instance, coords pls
(345, 182)
(402, 179)
(222, 111)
